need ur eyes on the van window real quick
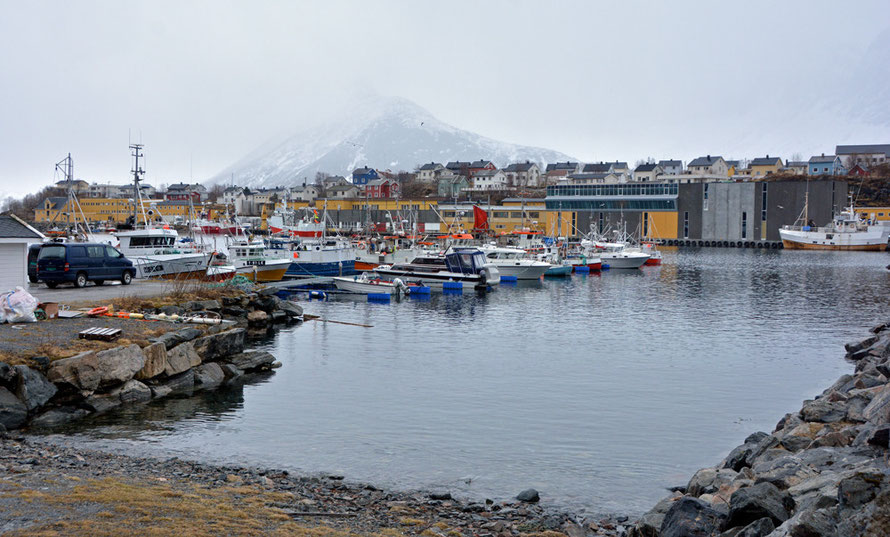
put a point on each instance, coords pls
(112, 253)
(96, 251)
(52, 252)
(78, 251)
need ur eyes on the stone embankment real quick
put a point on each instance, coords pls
(48, 394)
(823, 471)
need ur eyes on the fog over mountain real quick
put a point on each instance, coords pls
(384, 133)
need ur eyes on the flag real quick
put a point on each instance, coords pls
(480, 218)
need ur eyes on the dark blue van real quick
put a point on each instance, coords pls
(79, 262)
(33, 252)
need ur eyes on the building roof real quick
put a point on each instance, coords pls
(186, 186)
(867, 148)
(520, 166)
(597, 167)
(796, 164)
(12, 227)
(589, 175)
(705, 161)
(669, 163)
(363, 170)
(381, 182)
(57, 202)
(645, 168)
(619, 165)
(431, 166)
(736, 163)
(766, 161)
(488, 173)
(480, 163)
(822, 158)
(457, 165)
(562, 166)
(344, 188)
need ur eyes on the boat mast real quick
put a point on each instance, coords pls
(66, 166)
(136, 153)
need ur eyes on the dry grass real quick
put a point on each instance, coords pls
(154, 510)
(175, 295)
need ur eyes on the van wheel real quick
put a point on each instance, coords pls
(52, 285)
(80, 280)
(100, 282)
(32, 279)
(126, 277)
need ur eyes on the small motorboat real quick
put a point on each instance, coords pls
(365, 284)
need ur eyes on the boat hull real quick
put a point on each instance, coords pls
(794, 245)
(171, 267)
(559, 270)
(625, 261)
(354, 285)
(523, 272)
(437, 280)
(298, 269)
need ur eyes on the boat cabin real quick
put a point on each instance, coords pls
(465, 261)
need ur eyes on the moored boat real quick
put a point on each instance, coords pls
(253, 261)
(366, 285)
(847, 231)
(514, 262)
(154, 253)
(466, 266)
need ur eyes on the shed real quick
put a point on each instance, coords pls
(15, 235)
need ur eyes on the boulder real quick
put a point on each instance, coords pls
(783, 472)
(834, 439)
(258, 318)
(209, 375)
(118, 365)
(759, 528)
(762, 500)
(182, 382)
(650, 523)
(59, 416)
(278, 317)
(103, 402)
(691, 517)
(709, 480)
(80, 372)
(843, 384)
(216, 346)
(879, 437)
(181, 358)
(230, 371)
(291, 309)
(878, 410)
(859, 489)
(819, 523)
(7, 375)
(155, 361)
(205, 305)
(250, 360)
(171, 310)
(13, 412)
(133, 391)
(823, 411)
(234, 311)
(857, 346)
(528, 496)
(33, 388)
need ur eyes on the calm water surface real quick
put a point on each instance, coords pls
(599, 391)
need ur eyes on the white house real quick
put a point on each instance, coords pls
(429, 172)
(647, 173)
(671, 167)
(490, 180)
(523, 174)
(344, 191)
(15, 235)
(865, 155)
(708, 165)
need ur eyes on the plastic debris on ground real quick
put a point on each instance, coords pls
(18, 307)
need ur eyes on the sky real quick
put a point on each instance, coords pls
(201, 84)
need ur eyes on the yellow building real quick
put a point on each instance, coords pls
(763, 166)
(113, 210)
(876, 214)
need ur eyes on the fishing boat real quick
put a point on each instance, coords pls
(253, 261)
(466, 266)
(514, 262)
(285, 221)
(618, 256)
(155, 254)
(849, 230)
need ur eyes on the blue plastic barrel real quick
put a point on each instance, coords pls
(379, 297)
(420, 290)
(452, 287)
(508, 278)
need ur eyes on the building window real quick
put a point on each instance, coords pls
(686, 225)
(763, 201)
(744, 225)
(646, 225)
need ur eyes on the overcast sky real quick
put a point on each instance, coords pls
(203, 83)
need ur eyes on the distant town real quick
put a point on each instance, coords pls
(729, 197)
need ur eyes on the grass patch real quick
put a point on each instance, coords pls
(155, 510)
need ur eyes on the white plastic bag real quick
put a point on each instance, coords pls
(18, 307)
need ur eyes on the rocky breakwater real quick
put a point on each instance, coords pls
(823, 471)
(184, 360)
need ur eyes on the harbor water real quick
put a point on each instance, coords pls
(600, 391)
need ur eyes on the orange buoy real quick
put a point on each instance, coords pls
(102, 310)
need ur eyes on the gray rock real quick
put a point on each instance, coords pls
(13, 412)
(103, 402)
(234, 311)
(80, 372)
(843, 384)
(208, 305)
(878, 410)
(528, 496)
(691, 517)
(278, 316)
(7, 375)
(650, 523)
(209, 375)
(783, 472)
(155, 361)
(182, 382)
(709, 481)
(59, 416)
(118, 365)
(795, 443)
(160, 390)
(820, 523)
(258, 318)
(216, 346)
(250, 360)
(758, 528)
(762, 500)
(291, 309)
(230, 371)
(860, 345)
(823, 411)
(181, 358)
(858, 489)
(879, 437)
(189, 334)
(133, 391)
(171, 310)
(33, 388)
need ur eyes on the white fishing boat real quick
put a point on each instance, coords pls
(514, 262)
(154, 253)
(849, 230)
(253, 261)
(618, 256)
(467, 267)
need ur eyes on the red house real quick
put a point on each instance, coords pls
(382, 188)
(858, 170)
(480, 165)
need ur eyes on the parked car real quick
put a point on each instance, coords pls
(78, 263)
(33, 251)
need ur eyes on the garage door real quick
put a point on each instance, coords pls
(13, 270)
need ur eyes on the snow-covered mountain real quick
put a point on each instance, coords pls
(382, 133)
